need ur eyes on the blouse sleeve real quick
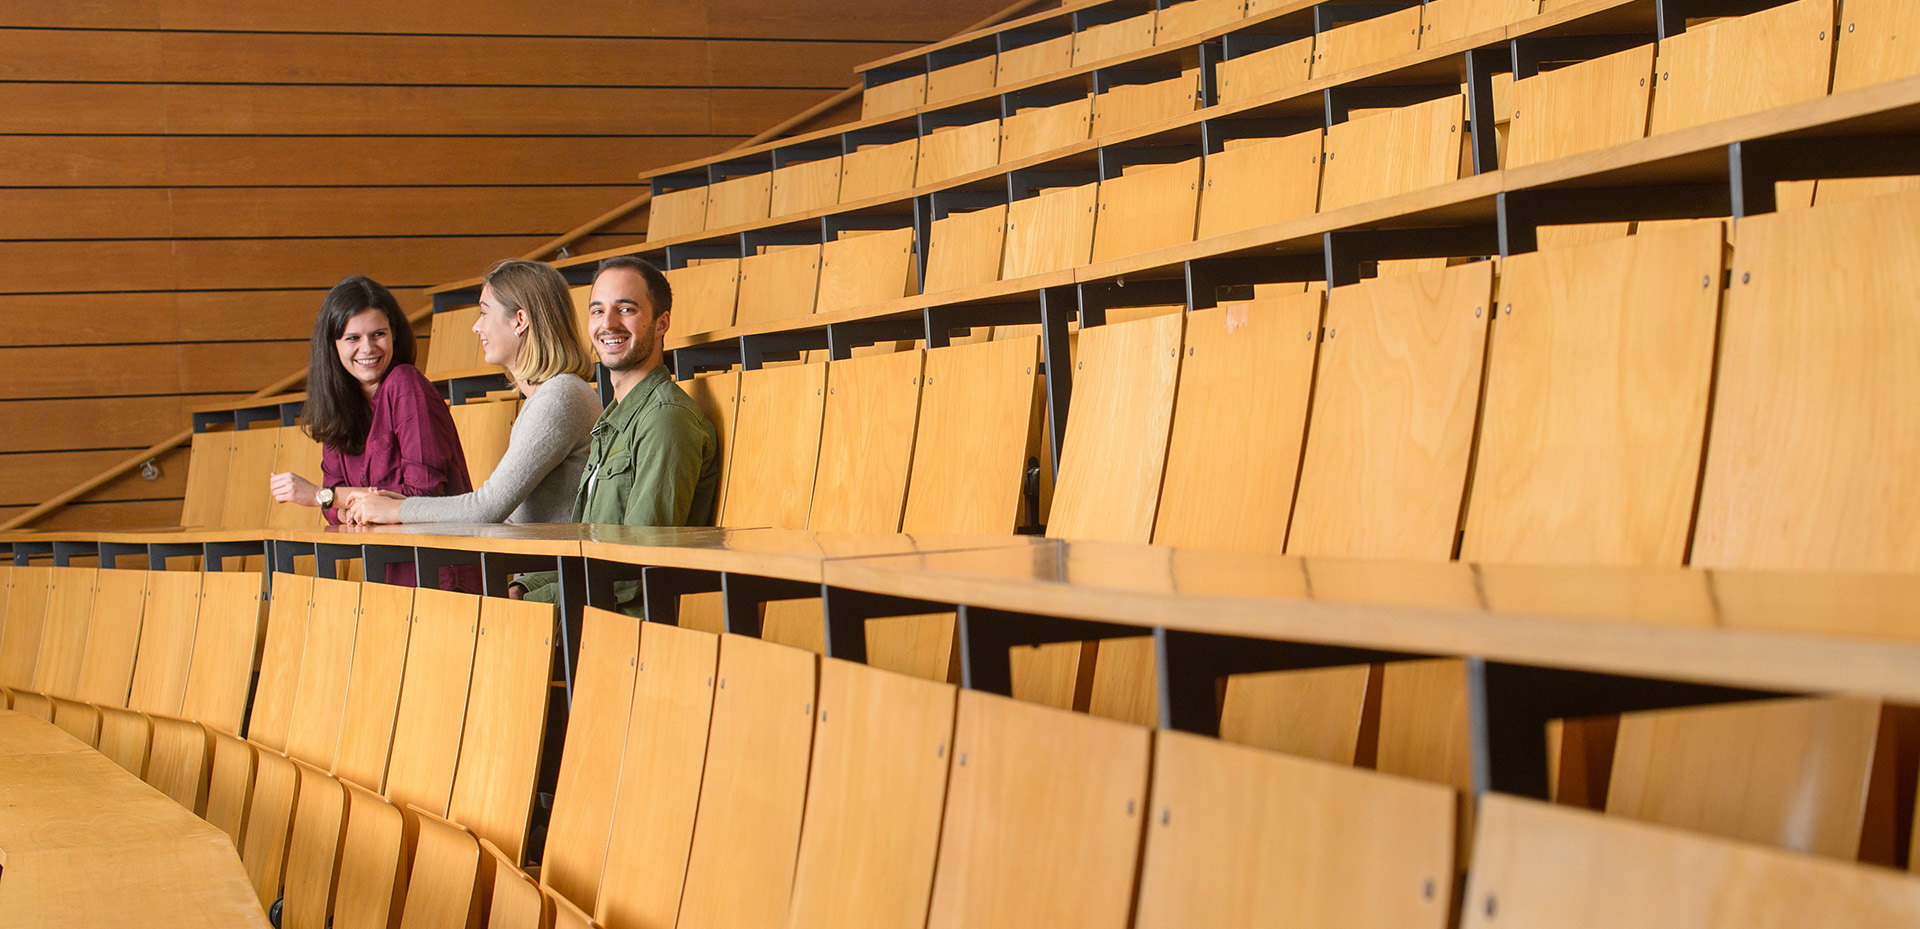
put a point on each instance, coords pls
(426, 464)
(333, 473)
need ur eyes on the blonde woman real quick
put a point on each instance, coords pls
(527, 326)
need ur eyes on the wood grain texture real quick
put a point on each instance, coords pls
(965, 249)
(126, 737)
(962, 79)
(280, 656)
(660, 773)
(778, 285)
(1043, 129)
(230, 784)
(178, 762)
(369, 888)
(433, 697)
(894, 97)
(1584, 106)
(1393, 416)
(1361, 849)
(226, 643)
(1445, 21)
(980, 413)
(299, 453)
(320, 698)
(776, 445)
(1022, 64)
(26, 617)
(313, 849)
(206, 495)
(874, 799)
(515, 901)
(506, 720)
(1050, 232)
(1598, 376)
(167, 624)
(1044, 818)
(859, 270)
(63, 634)
(1185, 20)
(950, 152)
(1263, 181)
(1803, 463)
(878, 170)
(373, 685)
(738, 200)
(1879, 40)
(1392, 152)
(1708, 73)
(1115, 450)
(443, 885)
(276, 787)
(1265, 71)
(1111, 40)
(799, 188)
(485, 431)
(866, 443)
(248, 499)
(1239, 422)
(704, 295)
(718, 395)
(677, 213)
(1363, 43)
(1525, 860)
(589, 778)
(1148, 209)
(1130, 105)
(113, 637)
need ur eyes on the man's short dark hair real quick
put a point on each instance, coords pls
(659, 292)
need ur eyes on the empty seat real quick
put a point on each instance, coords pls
(1039, 130)
(485, 429)
(980, 422)
(1258, 181)
(1581, 107)
(677, 213)
(443, 887)
(313, 847)
(514, 899)
(373, 684)
(26, 617)
(1368, 41)
(778, 284)
(320, 698)
(1129, 105)
(1051, 231)
(168, 618)
(276, 789)
(589, 779)
(965, 249)
(1746, 64)
(1116, 441)
(63, 634)
(893, 97)
(960, 80)
(739, 200)
(433, 698)
(718, 396)
(280, 660)
(1879, 41)
(226, 641)
(1392, 152)
(879, 170)
(704, 294)
(866, 267)
(1149, 207)
(299, 453)
(776, 445)
(1186, 20)
(1036, 59)
(948, 152)
(802, 188)
(370, 891)
(505, 721)
(1110, 40)
(1265, 71)
(206, 494)
(1447, 20)
(866, 443)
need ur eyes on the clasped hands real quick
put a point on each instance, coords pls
(357, 506)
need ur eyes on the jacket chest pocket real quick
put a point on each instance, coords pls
(616, 468)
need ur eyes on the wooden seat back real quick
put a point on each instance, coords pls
(506, 720)
(778, 284)
(168, 617)
(313, 850)
(63, 634)
(1130, 105)
(863, 268)
(704, 294)
(874, 796)
(1238, 837)
(299, 453)
(1259, 181)
(280, 655)
(226, 642)
(249, 503)
(276, 789)
(26, 617)
(1109, 40)
(373, 684)
(485, 431)
(230, 784)
(660, 770)
(443, 886)
(1026, 62)
(803, 188)
(514, 901)
(206, 494)
(737, 201)
(453, 344)
(1039, 130)
(113, 637)
(677, 213)
(320, 698)
(965, 249)
(589, 780)
(879, 170)
(866, 443)
(1150, 207)
(433, 698)
(1445, 21)
(374, 850)
(980, 422)
(1581, 107)
(959, 80)
(718, 396)
(948, 152)
(1043, 818)
(893, 97)
(1114, 454)
(1185, 20)
(776, 444)
(1353, 45)
(126, 737)
(1393, 152)
(1744, 64)
(1265, 71)
(1879, 41)
(1052, 231)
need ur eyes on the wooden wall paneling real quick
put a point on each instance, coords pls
(979, 409)
(866, 443)
(171, 611)
(113, 637)
(1265, 71)
(226, 642)
(123, 422)
(1109, 40)
(1384, 859)
(121, 370)
(660, 774)
(485, 429)
(677, 213)
(776, 444)
(506, 721)
(1019, 65)
(1708, 73)
(704, 295)
(248, 500)
(965, 248)
(874, 798)
(1392, 152)
(1147, 209)
(739, 200)
(1363, 43)
(1783, 490)
(320, 698)
(98, 517)
(433, 697)
(894, 97)
(1565, 474)
(1447, 20)
(1113, 457)
(1395, 351)
(951, 151)
(373, 684)
(879, 170)
(280, 658)
(1130, 105)
(863, 269)
(1185, 20)
(960, 80)
(779, 284)
(1581, 107)
(589, 779)
(299, 453)
(1050, 232)
(1044, 818)
(718, 395)
(1038, 130)
(802, 188)
(1264, 181)
(206, 480)
(26, 616)
(1239, 422)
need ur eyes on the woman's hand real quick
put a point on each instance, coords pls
(344, 497)
(289, 487)
(373, 508)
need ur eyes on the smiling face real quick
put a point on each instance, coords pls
(620, 320)
(501, 331)
(366, 348)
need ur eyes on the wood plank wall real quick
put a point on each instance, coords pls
(181, 180)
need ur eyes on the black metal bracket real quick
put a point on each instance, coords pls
(1190, 665)
(1115, 160)
(847, 612)
(23, 551)
(1023, 183)
(756, 350)
(1342, 100)
(283, 553)
(1754, 167)
(1349, 252)
(1216, 133)
(986, 635)
(1057, 306)
(1480, 66)
(63, 552)
(1097, 297)
(1509, 706)
(716, 356)
(377, 558)
(941, 321)
(215, 554)
(449, 299)
(1531, 54)
(744, 594)
(663, 587)
(1519, 214)
(159, 552)
(1207, 277)
(460, 389)
(427, 563)
(497, 569)
(571, 604)
(328, 555)
(843, 338)
(110, 552)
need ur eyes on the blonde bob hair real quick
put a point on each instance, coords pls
(553, 344)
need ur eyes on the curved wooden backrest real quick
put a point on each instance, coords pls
(276, 788)
(299, 453)
(443, 888)
(485, 429)
(454, 346)
(26, 617)
(738, 200)
(320, 699)
(373, 848)
(589, 780)
(802, 188)
(874, 796)
(776, 444)
(862, 268)
(1051, 231)
(1393, 152)
(1183, 20)
(677, 213)
(1016, 65)
(63, 635)
(1581, 107)
(1805, 469)
(1365, 42)
(965, 248)
(1259, 181)
(1037, 130)
(1264, 71)
(704, 294)
(947, 152)
(167, 622)
(433, 698)
(1879, 41)
(1238, 837)
(280, 655)
(666, 747)
(1398, 352)
(1107, 40)
(514, 899)
(225, 642)
(1043, 821)
(248, 502)
(753, 793)
(126, 737)
(206, 494)
(1115, 450)
(230, 784)
(178, 762)
(1537, 864)
(718, 396)
(505, 722)
(373, 685)
(1744, 64)
(313, 850)
(113, 637)
(80, 720)
(1446, 20)
(1150, 207)
(1239, 421)
(878, 170)
(866, 443)
(980, 416)
(1598, 375)
(778, 284)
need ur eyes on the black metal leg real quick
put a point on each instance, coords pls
(662, 589)
(847, 612)
(571, 604)
(328, 555)
(986, 635)
(1481, 64)
(744, 594)
(158, 553)
(1056, 310)
(1190, 665)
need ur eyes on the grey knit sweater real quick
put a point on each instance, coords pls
(539, 475)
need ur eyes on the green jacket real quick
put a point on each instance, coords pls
(654, 461)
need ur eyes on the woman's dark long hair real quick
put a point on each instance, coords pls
(336, 412)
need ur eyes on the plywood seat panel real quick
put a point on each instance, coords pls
(1258, 182)
(1022, 64)
(704, 295)
(1039, 130)
(1050, 232)
(589, 778)
(677, 213)
(1109, 40)
(1150, 208)
(1392, 152)
(1265, 71)
(879, 170)
(863, 269)
(1130, 105)
(951, 151)
(802, 188)
(965, 249)
(778, 285)
(1363, 43)
(776, 446)
(739, 200)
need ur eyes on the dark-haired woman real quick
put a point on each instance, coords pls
(380, 422)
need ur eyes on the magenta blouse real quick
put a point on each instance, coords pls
(413, 450)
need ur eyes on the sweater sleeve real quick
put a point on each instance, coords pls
(549, 426)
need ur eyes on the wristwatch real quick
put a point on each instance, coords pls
(325, 496)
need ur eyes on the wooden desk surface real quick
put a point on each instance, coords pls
(1819, 633)
(85, 844)
(789, 554)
